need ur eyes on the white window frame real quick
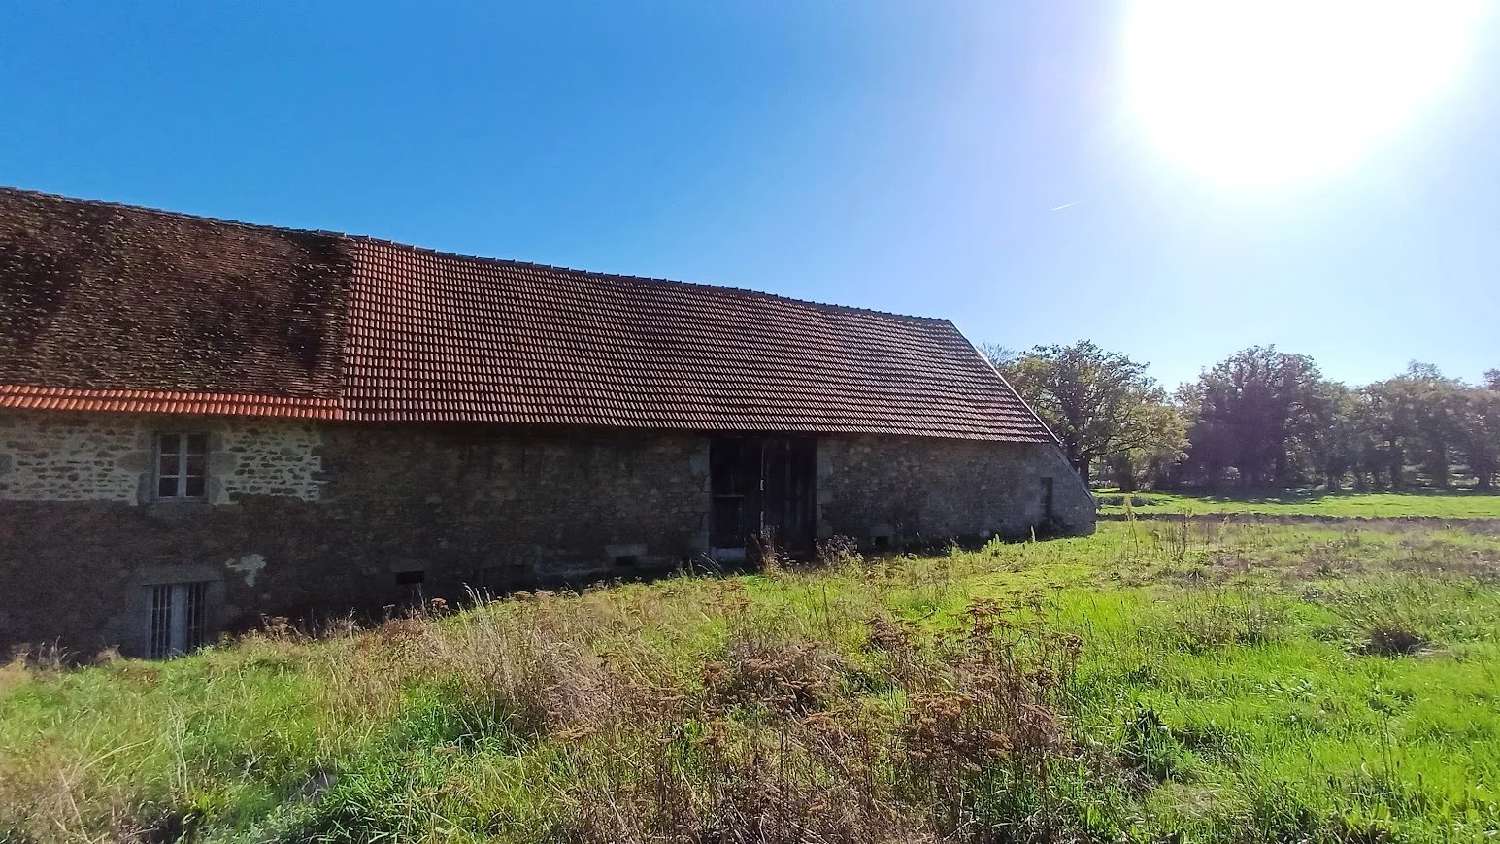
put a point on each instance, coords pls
(178, 455)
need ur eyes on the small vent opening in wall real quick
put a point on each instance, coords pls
(627, 561)
(410, 578)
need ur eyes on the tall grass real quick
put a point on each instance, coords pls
(1209, 681)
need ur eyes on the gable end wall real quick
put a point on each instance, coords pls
(914, 490)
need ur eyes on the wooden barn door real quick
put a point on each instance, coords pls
(788, 512)
(764, 486)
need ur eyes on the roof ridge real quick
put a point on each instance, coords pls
(162, 212)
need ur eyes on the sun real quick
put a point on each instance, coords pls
(1265, 93)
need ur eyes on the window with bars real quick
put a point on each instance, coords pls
(181, 465)
(179, 616)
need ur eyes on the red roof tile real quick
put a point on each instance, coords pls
(117, 308)
(169, 401)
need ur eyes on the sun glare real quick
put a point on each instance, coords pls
(1273, 92)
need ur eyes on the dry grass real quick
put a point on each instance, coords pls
(782, 751)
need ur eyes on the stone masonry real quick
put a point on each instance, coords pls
(901, 490)
(302, 519)
(103, 457)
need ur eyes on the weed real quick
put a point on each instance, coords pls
(1150, 748)
(1226, 619)
(1385, 617)
(786, 676)
(839, 552)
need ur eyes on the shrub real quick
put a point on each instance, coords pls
(1389, 640)
(1384, 618)
(1122, 500)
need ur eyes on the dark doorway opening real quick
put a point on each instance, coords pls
(764, 487)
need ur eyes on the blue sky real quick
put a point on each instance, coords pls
(979, 162)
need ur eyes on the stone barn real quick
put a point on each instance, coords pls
(203, 422)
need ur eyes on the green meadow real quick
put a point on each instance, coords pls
(1158, 681)
(1455, 504)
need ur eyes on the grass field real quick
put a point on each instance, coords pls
(1156, 681)
(1369, 505)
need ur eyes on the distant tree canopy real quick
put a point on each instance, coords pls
(1260, 418)
(1253, 411)
(1100, 404)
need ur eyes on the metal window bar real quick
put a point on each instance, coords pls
(195, 602)
(161, 622)
(179, 619)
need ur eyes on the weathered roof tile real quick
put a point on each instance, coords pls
(108, 307)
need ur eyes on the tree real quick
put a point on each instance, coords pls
(1422, 421)
(1332, 433)
(1255, 413)
(1151, 466)
(1099, 404)
(1479, 435)
(1363, 424)
(1391, 424)
(1492, 379)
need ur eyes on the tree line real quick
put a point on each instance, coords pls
(1260, 418)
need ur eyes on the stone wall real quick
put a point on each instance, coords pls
(108, 457)
(303, 519)
(60, 457)
(515, 507)
(898, 490)
(264, 458)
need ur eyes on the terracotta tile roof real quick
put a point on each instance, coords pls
(101, 296)
(118, 308)
(169, 401)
